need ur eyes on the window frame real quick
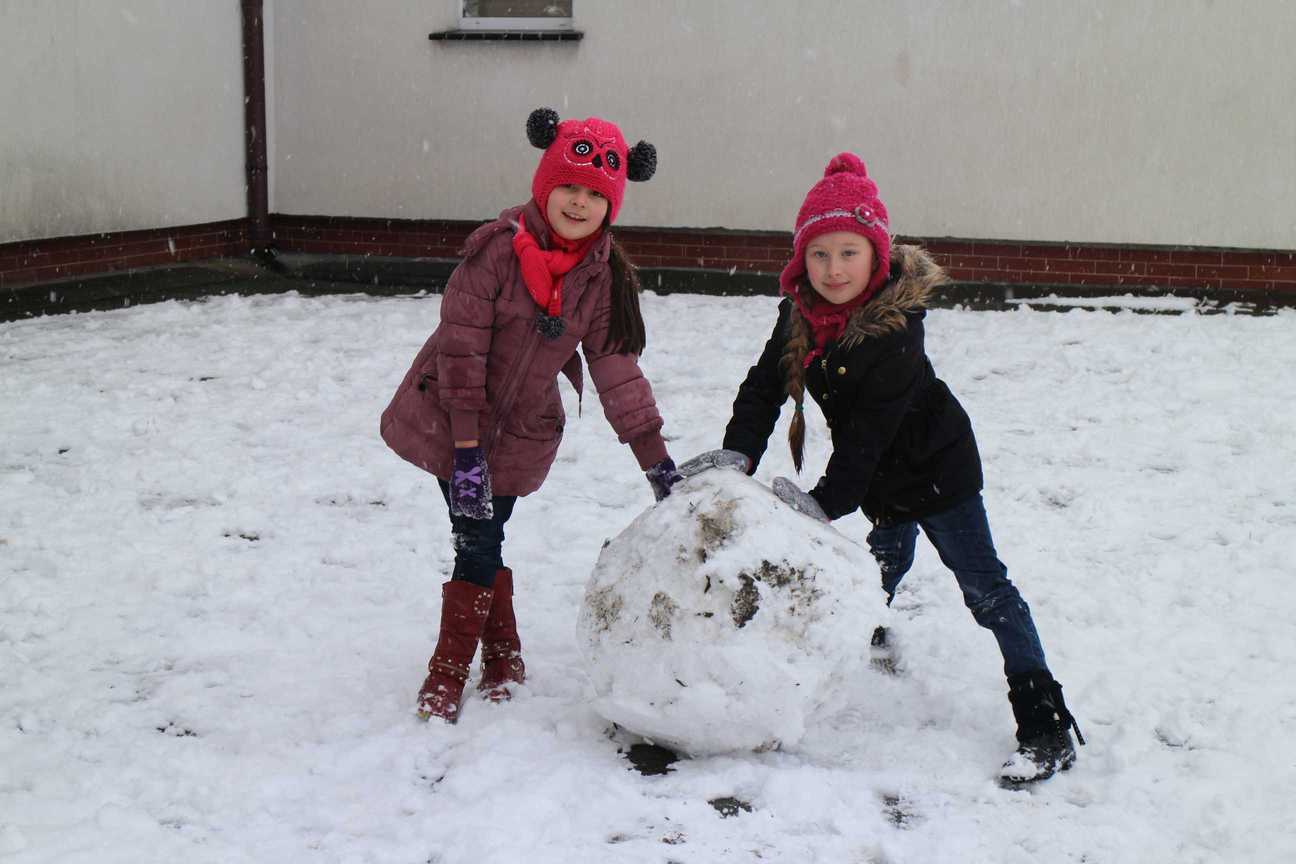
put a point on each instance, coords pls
(539, 22)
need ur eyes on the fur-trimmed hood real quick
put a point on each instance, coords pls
(914, 275)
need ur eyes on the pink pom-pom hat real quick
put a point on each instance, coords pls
(846, 199)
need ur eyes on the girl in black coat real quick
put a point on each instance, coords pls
(850, 332)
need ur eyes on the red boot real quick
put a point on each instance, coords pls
(501, 649)
(464, 607)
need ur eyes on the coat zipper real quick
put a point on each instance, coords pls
(508, 393)
(512, 386)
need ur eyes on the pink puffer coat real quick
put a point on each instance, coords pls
(486, 373)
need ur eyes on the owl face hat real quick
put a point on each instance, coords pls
(589, 152)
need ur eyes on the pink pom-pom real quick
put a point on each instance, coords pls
(846, 163)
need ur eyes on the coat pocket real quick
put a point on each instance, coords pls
(542, 422)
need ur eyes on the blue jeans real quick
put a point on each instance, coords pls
(961, 536)
(479, 543)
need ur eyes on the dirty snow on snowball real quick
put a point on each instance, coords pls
(721, 619)
(218, 591)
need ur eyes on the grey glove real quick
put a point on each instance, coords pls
(802, 502)
(715, 459)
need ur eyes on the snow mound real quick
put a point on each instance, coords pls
(722, 620)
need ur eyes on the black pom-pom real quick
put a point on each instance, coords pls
(542, 127)
(550, 326)
(643, 162)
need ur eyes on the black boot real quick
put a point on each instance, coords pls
(882, 653)
(1043, 730)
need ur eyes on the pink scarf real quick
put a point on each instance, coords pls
(543, 269)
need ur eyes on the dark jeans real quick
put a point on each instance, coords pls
(479, 543)
(961, 536)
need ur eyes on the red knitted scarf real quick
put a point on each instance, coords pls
(827, 320)
(543, 269)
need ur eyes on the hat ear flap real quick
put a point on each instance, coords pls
(542, 127)
(642, 162)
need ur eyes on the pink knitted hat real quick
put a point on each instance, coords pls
(846, 199)
(590, 152)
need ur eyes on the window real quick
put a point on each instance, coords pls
(516, 15)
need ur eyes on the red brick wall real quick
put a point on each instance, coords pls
(31, 261)
(1129, 268)
(398, 238)
(750, 252)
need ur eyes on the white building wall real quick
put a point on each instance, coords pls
(1125, 121)
(118, 115)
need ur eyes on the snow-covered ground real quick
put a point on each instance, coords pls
(218, 591)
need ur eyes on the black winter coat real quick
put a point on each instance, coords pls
(903, 446)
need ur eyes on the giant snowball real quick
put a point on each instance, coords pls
(721, 619)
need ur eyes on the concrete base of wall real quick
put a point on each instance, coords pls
(117, 290)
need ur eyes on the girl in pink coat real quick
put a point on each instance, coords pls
(480, 408)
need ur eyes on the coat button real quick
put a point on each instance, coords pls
(841, 370)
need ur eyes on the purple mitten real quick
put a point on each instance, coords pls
(662, 476)
(470, 486)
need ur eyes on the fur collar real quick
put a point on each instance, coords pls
(906, 292)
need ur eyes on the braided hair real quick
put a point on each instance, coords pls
(793, 364)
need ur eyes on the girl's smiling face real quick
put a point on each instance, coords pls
(839, 265)
(575, 212)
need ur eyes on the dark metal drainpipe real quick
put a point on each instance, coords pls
(254, 117)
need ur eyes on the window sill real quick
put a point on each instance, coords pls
(507, 36)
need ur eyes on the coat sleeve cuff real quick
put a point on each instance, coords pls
(649, 449)
(832, 509)
(464, 426)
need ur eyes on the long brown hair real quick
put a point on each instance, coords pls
(793, 363)
(626, 333)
